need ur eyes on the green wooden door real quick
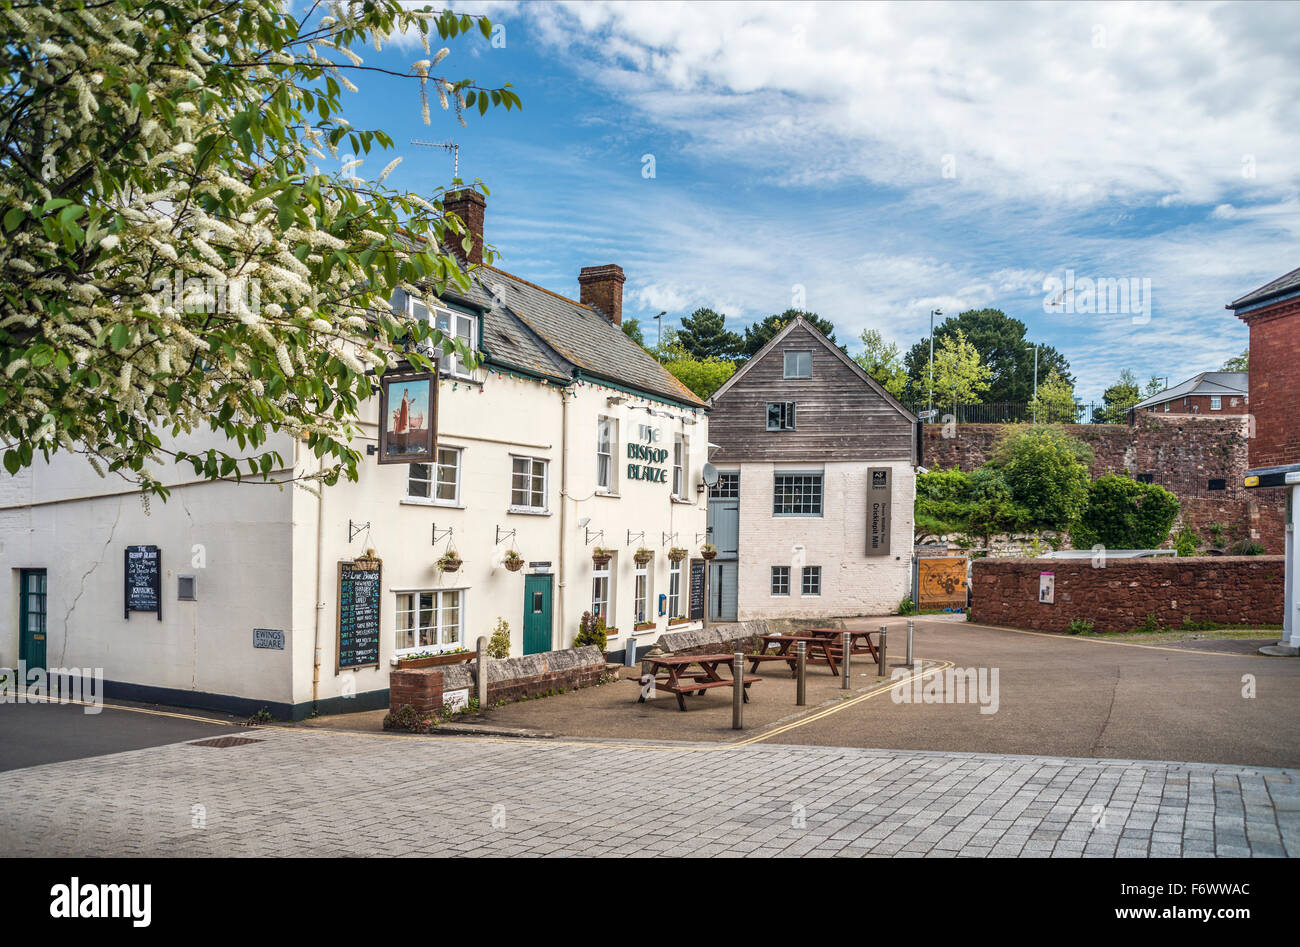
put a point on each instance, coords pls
(31, 617)
(537, 613)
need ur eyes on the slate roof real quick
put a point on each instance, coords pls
(554, 336)
(1279, 287)
(1206, 383)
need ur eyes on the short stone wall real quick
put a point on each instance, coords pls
(1229, 590)
(508, 680)
(737, 636)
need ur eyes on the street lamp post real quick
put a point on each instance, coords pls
(659, 336)
(930, 380)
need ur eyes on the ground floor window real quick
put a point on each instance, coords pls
(812, 580)
(433, 619)
(641, 604)
(780, 580)
(601, 579)
(674, 589)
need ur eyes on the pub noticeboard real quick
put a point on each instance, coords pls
(142, 580)
(697, 589)
(358, 618)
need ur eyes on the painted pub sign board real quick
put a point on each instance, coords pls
(142, 580)
(408, 416)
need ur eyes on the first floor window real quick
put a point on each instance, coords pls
(528, 483)
(432, 619)
(606, 447)
(641, 604)
(600, 592)
(439, 482)
(675, 589)
(780, 415)
(1216, 403)
(780, 580)
(679, 464)
(812, 580)
(798, 364)
(797, 495)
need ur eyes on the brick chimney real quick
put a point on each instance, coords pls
(469, 205)
(601, 287)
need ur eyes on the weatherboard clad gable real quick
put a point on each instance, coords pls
(839, 416)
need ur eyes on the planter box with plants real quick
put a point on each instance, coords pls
(643, 626)
(408, 662)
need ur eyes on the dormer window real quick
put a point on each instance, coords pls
(798, 364)
(451, 323)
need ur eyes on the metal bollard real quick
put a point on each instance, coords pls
(846, 662)
(629, 653)
(911, 628)
(480, 673)
(884, 635)
(801, 670)
(737, 690)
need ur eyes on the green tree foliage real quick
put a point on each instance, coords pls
(761, 333)
(703, 376)
(1238, 363)
(979, 503)
(959, 375)
(704, 335)
(882, 361)
(1002, 346)
(1055, 402)
(1121, 513)
(1187, 542)
(1118, 398)
(151, 144)
(1047, 472)
(632, 329)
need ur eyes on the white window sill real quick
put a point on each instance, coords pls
(527, 511)
(443, 504)
(610, 494)
(683, 501)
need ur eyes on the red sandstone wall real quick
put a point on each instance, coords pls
(1234, 590)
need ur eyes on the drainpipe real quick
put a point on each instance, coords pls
(320, 605)
(564, 506)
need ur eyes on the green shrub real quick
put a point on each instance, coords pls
(591, 630)
(499, 644)
(907, 606)
(1246, 547)
(1149, 624)
(1046, 471)
(1121, 513)
(1080, 626)
(1187, 542)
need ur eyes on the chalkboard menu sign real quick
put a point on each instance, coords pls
(359, 588)
(142, 580)
(697, 589)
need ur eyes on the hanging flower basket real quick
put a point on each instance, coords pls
(677, 554)
(709, 551)
(514, 561)
(450, 562)
(643, 555)
(601, 557)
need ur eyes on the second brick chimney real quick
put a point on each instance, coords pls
(470, 206)
(601, 287)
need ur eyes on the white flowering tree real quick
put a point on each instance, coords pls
(172, 258)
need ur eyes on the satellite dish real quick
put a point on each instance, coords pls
(710, 475)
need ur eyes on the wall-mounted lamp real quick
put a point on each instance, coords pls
(613, 400)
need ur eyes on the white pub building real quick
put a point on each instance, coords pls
(566, 438)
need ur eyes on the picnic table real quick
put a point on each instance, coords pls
(674, 674)
(785, 651)
(859, 639)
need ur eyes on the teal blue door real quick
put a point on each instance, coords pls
(537, 613)
(31, 618)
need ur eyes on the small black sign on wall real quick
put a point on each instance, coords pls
(142, 580)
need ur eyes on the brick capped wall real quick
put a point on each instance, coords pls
(1234, 590)
(1275, 383)
(509, 680)
(1182, 454)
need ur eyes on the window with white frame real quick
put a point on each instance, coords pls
(812, 580)
(528, 484)
(455, 324)
(1216, 403)
(780, 580)
(675, 588)
(438, 482)
(798, 364)
(434, 619)
(797, 495)
(681, 452)
(602, 578)
(641, 596)
(606, 450)
(780, 415)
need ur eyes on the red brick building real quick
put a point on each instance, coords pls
(1207, 395)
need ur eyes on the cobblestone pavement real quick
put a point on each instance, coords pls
(301, 792)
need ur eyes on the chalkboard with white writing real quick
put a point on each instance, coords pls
(697, 589)
(358, 624)
(142, 580)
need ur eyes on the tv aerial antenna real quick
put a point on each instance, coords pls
(448, 146)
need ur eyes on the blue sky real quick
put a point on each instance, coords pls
(885, 159)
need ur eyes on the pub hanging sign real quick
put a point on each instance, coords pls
(142, 580)
(408, 418)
